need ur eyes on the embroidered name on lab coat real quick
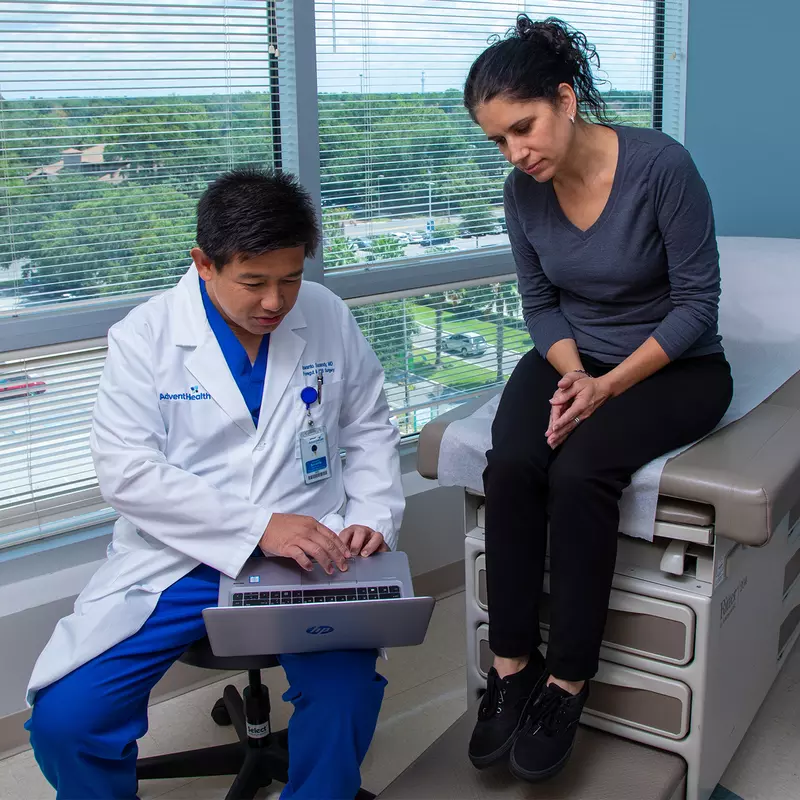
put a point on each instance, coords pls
(312, 369)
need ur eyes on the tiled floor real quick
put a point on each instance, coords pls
(425, 695)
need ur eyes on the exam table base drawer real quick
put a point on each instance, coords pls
(630, 697)
(636, 624)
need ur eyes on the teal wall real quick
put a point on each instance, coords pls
(743, 112)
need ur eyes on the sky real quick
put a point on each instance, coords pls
(156, 47)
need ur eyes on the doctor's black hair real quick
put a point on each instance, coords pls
(247, 212)
(531, 62)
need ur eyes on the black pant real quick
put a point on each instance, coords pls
(578, 487)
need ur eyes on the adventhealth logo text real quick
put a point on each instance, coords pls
(194, 393)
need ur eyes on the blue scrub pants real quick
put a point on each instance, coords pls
(84, 727)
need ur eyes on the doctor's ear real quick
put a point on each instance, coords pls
(204, 265)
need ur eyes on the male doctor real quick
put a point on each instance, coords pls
(196, 443)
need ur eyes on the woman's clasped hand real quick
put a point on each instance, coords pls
(578, 396)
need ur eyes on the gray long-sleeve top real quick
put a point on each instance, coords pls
(649, 265)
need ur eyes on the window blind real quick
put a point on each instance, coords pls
(46, 471)
(114, 117)
(402, 165)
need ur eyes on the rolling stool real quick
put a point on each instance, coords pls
(259, 757)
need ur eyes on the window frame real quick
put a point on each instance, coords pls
(299, 139)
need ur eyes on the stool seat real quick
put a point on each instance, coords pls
(201, 655)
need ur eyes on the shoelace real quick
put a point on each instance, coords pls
(546, 714)
(493, 699)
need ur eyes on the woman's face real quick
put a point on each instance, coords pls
(534, 135)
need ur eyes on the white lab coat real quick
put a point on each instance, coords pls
(194, 481)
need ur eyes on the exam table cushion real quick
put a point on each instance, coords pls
(743, 479)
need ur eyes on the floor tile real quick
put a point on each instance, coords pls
(409, 723)
(767, 764)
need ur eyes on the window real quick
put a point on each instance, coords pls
(115, 115)
(404, 171)
(440, 348)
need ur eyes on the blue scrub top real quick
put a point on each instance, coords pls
(249, 377)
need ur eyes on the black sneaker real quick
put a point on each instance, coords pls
(501, 711)
(545, 742)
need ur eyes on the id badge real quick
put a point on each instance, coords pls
(314, 454)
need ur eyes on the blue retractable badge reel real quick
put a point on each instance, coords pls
(309, 396)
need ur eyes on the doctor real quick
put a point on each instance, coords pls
(196, 442)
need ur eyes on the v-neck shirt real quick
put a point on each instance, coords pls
(249, 376)
(648, 266)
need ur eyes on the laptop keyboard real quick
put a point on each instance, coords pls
(330, 595)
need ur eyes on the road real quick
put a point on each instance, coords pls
(355, 227)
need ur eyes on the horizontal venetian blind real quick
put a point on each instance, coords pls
(402, 165)
(114, 117)
(46, 471)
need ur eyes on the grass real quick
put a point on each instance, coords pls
(514, 340)
(454, 372)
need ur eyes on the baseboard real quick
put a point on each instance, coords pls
(181, 678)
(13, 737)
(440, 582)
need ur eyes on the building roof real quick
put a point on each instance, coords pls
(46, 172)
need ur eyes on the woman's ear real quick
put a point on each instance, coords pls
(566, 101)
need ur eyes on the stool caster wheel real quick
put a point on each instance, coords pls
(220, 713)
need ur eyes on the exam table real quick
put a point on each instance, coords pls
(700, 621)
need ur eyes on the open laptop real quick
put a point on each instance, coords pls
(274, 606)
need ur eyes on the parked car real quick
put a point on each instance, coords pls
(465, 344)
(401, 237)
(20, 386)
(416, 237)
(427, 241)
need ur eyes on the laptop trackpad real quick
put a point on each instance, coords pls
(319, 576)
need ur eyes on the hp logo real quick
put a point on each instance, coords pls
(319, 630)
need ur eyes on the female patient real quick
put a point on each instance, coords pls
(613, 237)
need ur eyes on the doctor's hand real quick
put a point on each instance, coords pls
(363, 540)
(577, 399)
(305, 540)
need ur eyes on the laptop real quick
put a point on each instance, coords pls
(274, 606)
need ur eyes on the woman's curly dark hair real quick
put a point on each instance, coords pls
(531, 62)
